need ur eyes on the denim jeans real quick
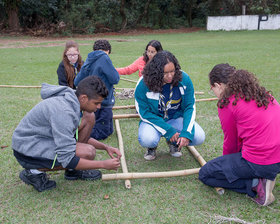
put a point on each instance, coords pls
(149, 137)
(235, 173)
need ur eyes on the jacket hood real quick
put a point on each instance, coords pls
(95, 55)
(48, 91)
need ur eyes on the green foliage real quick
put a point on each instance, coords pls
(33, 13)
(95, 16)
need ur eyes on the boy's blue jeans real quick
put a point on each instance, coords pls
(149, 137)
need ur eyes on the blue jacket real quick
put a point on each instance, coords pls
(147, 102)
(98, 63)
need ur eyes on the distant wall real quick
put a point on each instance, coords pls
(246, 22)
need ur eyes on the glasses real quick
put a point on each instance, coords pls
(72, 55)
(151, 52)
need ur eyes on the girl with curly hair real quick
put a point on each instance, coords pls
(71, 64)
(164, 99)
(153, 47)
(250, 120)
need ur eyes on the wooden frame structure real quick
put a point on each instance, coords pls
(128, 176)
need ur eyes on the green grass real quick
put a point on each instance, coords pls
(166, 200)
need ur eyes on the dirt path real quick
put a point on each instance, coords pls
(23, 41)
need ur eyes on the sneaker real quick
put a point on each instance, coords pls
(264, 192)
(82, 174)
(174, 151)
(39, 181)
(150, 154)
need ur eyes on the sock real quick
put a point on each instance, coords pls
(255, 182)
(35, 171)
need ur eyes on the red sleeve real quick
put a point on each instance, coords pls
(232, 143)
(135, 66)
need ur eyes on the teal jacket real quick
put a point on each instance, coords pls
(147, 102)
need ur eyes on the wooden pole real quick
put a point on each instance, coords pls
(124, 107)
(122, 116)
(123, 162)
(18, 86)
(129, 80)
(206, 99)
(125, 88)
(124, 176)
(202, 162)
(133, 106)
(15, 86)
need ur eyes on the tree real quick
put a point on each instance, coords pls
(123, 15)
(12, 8)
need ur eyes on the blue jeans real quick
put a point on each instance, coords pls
(149, 137)
(103, 124)
(235, 173)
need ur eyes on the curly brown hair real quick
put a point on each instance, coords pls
(69, 70)
(103, 45)
(239, 83)
(153, 72)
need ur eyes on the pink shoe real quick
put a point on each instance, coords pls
(264, 192)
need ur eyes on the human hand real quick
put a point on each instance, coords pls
(111, 151)
(181, 142)
(111, 164)
(175, 137)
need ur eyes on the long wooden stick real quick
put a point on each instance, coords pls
(133, 106)
(124, 176)
(202, 162)
(124, 88)
(117, 88)
(129, 80)
(15, 86)
(122, 116)
(123, 162)
(206, 99)
(124, 107)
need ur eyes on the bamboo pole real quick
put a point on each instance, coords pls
(206, 99)
(123, 162)
(133, 106)
(199, 93)
(202, 162)
(122, 116)
(129, 80)
(124, 176)
(125, 88)
(124, 107)
(16, 86)
(117, 88)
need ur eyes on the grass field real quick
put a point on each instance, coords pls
(165, 200)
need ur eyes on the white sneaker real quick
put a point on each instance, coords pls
(174, 151)
(150, 154)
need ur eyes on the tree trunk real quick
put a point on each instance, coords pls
(123, 15)
(145, 12)
(190, 13)
(13, 20)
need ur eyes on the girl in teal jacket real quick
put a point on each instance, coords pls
(165, 101)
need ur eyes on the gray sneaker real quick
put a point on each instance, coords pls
(174, 151)
(150, 154)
